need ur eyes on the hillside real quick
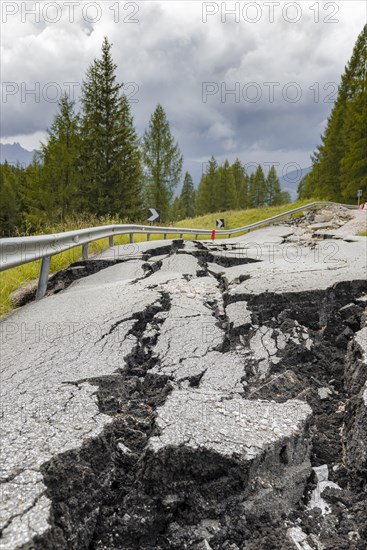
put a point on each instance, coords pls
(238, 218)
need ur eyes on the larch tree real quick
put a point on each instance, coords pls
(162, 161)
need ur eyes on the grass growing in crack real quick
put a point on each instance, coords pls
(17, 277)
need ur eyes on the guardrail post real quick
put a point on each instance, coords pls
(181, 235)
(110, 241)
(85, 251)
(131, 238)
(43, 279)
(165, 235)
(196, 236)
(148, 236)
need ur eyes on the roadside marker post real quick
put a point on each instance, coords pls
(213, 235)
(359, 196)
(154, 215)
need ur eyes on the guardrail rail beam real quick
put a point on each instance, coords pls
(21, 250)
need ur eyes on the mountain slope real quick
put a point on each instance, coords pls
(14, 153)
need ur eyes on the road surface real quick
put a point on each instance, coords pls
(193, 395)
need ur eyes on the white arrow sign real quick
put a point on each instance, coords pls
(153, 215)
(220, 222)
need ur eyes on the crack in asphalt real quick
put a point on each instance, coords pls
(108, 493)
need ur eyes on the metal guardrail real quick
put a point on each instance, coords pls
(21, 250)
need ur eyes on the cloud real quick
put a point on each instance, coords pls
(170, 53)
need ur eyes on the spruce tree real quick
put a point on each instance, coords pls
(187, 198)
(35, 195)
(176, 212)
(127, 194)
(273, 189)
(251, 191)
(60, 192)
(203, 194)
(208, 188)
(110, 155)
(226, 190)
(353, 174)
(10, 207)
(284, 198)
(242, 183)
(162, 161)
(258, 192)
(339, 165)
(51, 184)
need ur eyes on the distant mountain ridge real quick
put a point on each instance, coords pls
(291, 181)
(14, 154)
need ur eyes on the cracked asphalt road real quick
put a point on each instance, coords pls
(173, 400)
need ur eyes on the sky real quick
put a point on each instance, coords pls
(248, 80)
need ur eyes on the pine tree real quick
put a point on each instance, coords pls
(273, 189)
(162, 161)
(187, 198)
(110, 156)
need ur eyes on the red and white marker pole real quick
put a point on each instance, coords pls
(213, 235)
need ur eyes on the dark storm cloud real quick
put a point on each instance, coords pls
(169, 56)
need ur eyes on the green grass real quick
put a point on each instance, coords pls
(16, 277)
(238, 218)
